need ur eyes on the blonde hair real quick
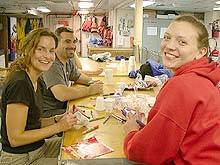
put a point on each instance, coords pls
(23, 62)
(203, 34)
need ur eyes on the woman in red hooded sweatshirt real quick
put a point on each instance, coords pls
(183, 126)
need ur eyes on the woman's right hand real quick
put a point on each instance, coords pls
(67, 121)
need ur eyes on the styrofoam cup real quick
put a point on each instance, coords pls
(108, 76)
(109, 102)
(100, 103)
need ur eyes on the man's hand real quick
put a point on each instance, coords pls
(96, 87)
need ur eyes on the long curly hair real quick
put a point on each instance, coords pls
(23, 62)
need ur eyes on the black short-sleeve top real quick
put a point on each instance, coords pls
(19, 89)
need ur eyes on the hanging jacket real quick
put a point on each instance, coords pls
(27, 26)
(94, 25)
(86, 26)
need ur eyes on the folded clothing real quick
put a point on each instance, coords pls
(100, 57)
(121, 57)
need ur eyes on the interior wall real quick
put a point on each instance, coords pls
(208, 20)
(124, 28)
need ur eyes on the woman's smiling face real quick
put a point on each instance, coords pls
(44, 54)
(180, 45)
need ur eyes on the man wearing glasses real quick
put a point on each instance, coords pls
(57, 90)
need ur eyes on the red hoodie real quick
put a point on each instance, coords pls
(184, 123)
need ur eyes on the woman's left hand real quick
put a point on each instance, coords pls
(131, 124)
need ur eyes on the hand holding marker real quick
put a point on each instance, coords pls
(125, 112)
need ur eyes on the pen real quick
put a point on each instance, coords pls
(90, 129)
(92, 114)
(90, 82)
(140, 123)
(84, 114)
(98, 118)
(106, 119)
(118, 118)
(86, 106)
(108, 94)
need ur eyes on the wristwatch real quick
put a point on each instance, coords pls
(55, 119)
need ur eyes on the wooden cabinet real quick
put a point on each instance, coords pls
(114, 51)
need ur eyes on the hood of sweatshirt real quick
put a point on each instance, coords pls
(203, 68)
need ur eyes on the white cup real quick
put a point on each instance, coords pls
(131, 64)
(100, 103)
(122, 65)
(109, 102)
(108, 76)
(81, 120)
(121, 85)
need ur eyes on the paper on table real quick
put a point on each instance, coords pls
(87, 149)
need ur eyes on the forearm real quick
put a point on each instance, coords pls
(83, 79)
(71, 93)
(50, 121)
(31, 136)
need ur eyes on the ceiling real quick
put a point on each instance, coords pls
(68, 6)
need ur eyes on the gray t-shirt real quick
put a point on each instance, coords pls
(57, 74)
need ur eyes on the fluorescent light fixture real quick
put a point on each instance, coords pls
(216, 8)
(145, 3)
(218, 2)
(43, 9)
(32, 11)
(83, 12)
(85, 5)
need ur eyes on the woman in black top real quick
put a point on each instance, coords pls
(23, 130)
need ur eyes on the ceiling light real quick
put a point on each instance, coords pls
(218, 2)
(83, 12)
(85, 4)
(43, 9)
(145, 3)
(32, 11)
(216, 8)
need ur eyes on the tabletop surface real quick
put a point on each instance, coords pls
(111, 133)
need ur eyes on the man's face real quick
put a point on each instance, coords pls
(67, 44)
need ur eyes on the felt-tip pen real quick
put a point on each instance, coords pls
(98, 118)
(106, 119)
(91, 82)
(86, 106)
(90, 129)
(140, 123)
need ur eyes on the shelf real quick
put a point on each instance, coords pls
(114, 51)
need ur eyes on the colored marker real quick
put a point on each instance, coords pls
(140, 123)
(98, 118)
(106, 119)
(86, 106)
(81, 111)
(108, 94)
(118, 118)
(90, 129)
(90, 82)
(92, 114)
